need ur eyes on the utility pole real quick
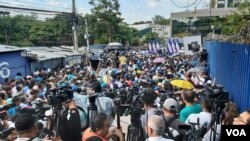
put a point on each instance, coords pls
(6, 32)
(75, 39)
(86, 37)
(210, 9)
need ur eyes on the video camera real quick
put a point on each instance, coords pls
(136, 109)
(60, 95)
(194, 131)
(6, 132)
(216, 93)
(40, 108)
(194, 46)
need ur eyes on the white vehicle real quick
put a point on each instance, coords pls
(96, 51)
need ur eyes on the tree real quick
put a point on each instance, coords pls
(16, 30)
(108, 15)
(158, 19)
(178, 27)
(150, 36)
(142, 22)
(232, 24)
(55, 31)
(126, 35)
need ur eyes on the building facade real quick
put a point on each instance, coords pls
(227, 3)
(162, 31)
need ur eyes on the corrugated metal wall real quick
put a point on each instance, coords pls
(73, 59)
(230, 66)
(11, 63)
(51, 63)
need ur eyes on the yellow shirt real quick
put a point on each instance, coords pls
(123, 60)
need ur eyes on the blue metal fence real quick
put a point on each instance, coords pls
(11, 63)
(230, 66)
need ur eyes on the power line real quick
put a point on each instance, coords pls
(184, 6)
(28, 12)
(33, 3)
(36, 10)
(19, 5)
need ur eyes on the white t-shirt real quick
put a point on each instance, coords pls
(210, 134)
(204, 118)
(159, 138)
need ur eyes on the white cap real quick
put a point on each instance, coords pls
(209, 82)
(170, 103)
(48, 113)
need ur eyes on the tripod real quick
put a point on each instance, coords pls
(216, 120)
(57, 117)
(92, 110)
(135, 133)
(135, 130)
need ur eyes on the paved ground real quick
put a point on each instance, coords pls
(125, 122)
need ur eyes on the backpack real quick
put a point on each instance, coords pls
(169, 132)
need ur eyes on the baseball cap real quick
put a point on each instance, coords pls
(170, 103)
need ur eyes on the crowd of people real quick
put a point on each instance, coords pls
(56, 104)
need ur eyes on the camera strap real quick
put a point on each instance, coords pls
(31, 139)
(167, 125)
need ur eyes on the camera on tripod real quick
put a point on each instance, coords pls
(60, 95)
(217, 94)
(194, 131)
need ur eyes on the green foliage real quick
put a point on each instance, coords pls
(232, 24)
(178, 27)
(150, 36)
(108, 15)
(158, 19)
(182, 34)
(56, 31)
(28, 31)
(104, 26)
(15, 30)
(142, 22)
(126, 35)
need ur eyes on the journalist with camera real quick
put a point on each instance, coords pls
(66, 118)
(172, 123)
(148, 99)
(93, 100)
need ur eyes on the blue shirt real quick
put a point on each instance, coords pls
(12, 111)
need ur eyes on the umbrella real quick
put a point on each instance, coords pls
(159, 60)
(182, 84)
(115, 45)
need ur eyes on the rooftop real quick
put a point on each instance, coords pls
(43, 53)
